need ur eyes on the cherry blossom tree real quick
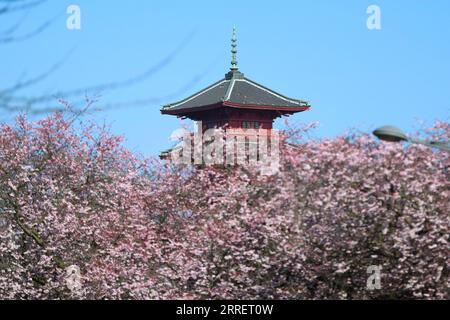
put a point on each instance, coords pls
(72, 195)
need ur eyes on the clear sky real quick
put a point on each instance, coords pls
(320, 51)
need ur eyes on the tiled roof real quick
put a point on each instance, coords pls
(235, 90)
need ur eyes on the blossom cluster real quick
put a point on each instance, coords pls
(134, 228)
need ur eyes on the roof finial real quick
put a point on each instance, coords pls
(234, 51)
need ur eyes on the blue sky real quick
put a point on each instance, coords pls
(320, 51)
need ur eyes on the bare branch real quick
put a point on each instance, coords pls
(13, 103)
(15, 26)
(35, 32)
(8, 8)
(22, 85)
(156, 100)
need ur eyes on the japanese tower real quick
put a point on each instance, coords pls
(235, 103)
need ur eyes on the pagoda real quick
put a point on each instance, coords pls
(235, 103)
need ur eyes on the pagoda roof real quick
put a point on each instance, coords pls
(237, 91)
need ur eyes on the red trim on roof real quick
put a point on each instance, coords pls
(189, 110)
(250, 106)
(234, 105)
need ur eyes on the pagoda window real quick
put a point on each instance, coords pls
(251, 124)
